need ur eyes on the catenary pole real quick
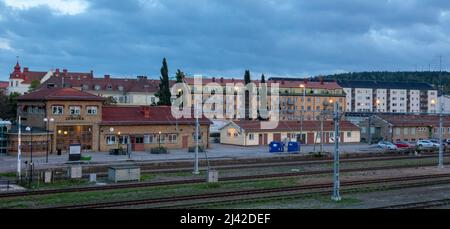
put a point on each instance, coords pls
(196, 144)
(19, 151)
(336, 184)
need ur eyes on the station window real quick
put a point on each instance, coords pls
(123, 139)
(149, 139)
(110, 139)
(349, 134)
(172, 138)
(91, 110)
(57, 110)
(75, 110)
(251, 136)
(139, 140)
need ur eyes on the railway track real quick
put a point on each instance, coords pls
(194, 181)
(419, 205)
(310, 188)
(246, 165)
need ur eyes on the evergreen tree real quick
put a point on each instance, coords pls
(247, 79)
(179, 75)
(34, 85)
(164, 91)
(263, 78)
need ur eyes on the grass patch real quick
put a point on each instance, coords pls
(9, 175)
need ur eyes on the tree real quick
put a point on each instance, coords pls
(263, 78)
(163, 93)
(9, 103)
(179, 75)
(247, 79)
(34, 85)
(110, 100)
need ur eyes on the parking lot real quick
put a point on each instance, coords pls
(216, 151)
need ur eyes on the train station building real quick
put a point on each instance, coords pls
(59, 117)
(250, 133)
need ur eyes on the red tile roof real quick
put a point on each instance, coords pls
(255, 126)
(135, 115)
(28, 76)
(89, 84)
(4, 85)
(282, 83)
(58, 94)
(412, 120)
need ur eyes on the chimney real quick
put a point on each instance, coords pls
(65, 72)
(107, 76)
(25, 70)
(221, 79)
(282, 82)
(214, 79)
(146, 110)
(305, 81)
(232, 80)
(321, 80)
(57, 72)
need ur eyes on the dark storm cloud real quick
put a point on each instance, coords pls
(284, 37)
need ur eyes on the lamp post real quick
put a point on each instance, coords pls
(159, 140)
(29, 129)
(303, 113)
(48, 120)
(118, 141)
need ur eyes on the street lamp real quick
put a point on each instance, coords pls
(47, 120)
(118, 140)
(433, 102)
(29, 129)
(159, 140)
(303, 113)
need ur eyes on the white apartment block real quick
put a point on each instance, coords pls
(390, 97)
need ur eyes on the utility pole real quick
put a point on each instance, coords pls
(336, 184)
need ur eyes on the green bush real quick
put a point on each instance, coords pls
(201, 149)
(159, 150)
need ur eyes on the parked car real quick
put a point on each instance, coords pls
(387, 145)
(435, 142)
(426, 144)
(403, 144)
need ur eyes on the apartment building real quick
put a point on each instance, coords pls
(390, 97)
(124, 91)
(296, 97)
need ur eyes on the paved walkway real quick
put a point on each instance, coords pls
(9, 163)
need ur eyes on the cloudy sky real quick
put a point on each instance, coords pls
(224, 37)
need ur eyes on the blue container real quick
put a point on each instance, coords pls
(293, 147)
(276, 147)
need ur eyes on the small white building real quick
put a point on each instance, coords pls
(250, 133)
(445, 101)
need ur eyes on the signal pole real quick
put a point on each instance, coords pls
(336, 183)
